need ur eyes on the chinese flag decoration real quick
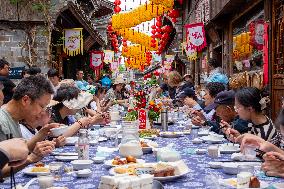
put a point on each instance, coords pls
(265, 54)
(195, 35)
(96, 61)
(73, 43)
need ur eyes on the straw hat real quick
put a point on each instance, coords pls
(83, 99)
(119, 80)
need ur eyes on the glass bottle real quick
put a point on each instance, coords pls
(83, 145)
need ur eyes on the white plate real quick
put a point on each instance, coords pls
(28, 171)
(169, 178)
(66, 158)
(195, 127)
(109, 162)
(215, 165)
(226, 183)
(203, 133)
(231, 168)
(64, 153)
(70, 141)
(171, 134)
(228, 149)
(210, 139)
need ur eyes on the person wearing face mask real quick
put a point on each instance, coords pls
(249, 105)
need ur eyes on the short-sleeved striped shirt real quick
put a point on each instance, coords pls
(266, 131)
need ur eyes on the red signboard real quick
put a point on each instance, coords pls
(142, 116)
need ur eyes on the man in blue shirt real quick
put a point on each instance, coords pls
(80, 82)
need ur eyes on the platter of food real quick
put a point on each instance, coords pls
(253, 183)
(117, 161)
(149, 133)
(162, 171)
(35, 171)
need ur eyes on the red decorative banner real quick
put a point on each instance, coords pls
(257, 34)
(265, 55)
(142, 117)
(195, 35)
(96, 61)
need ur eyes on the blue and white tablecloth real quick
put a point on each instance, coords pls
(198, 178)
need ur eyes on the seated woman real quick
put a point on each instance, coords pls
(175, 80)
(249, 105)
(71, 101)
(274, 157)
(114, 94)
(97, 103)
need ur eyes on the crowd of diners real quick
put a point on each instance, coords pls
(39, 103)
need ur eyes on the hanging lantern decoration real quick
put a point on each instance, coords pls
(117, 8)
(174, 14)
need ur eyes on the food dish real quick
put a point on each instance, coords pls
(66, 158)
(171, 134)
(241, 157)
(162, 171)
(149, 133)
(70, 141)
(117, 161)
(124, 182)
(232, 183)
(35, 171)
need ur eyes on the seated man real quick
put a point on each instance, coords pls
(225, 113)
(30, 98)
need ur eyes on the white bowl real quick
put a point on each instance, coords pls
(84, 173)
(59, 130)
(81, 164)
(230, 168)
(99, 160)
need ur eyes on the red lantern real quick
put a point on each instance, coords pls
(117, 9)
(158, 36)
(159, 30)
(159, 23)
(159, 18)
(153, 27)
(153, 45)
(109, 28)
(174, 20)
(165, 36)
(153, 40)
(153, 32)
(117, 2)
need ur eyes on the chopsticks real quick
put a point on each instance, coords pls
(260, 152)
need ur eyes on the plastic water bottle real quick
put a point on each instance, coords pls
(83, 145)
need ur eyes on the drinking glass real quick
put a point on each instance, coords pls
(55, 169)
(249, 152)
(45, 181)
(246, 168)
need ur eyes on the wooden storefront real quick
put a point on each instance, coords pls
(277, 55)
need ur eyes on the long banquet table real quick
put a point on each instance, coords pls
(197, 178)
